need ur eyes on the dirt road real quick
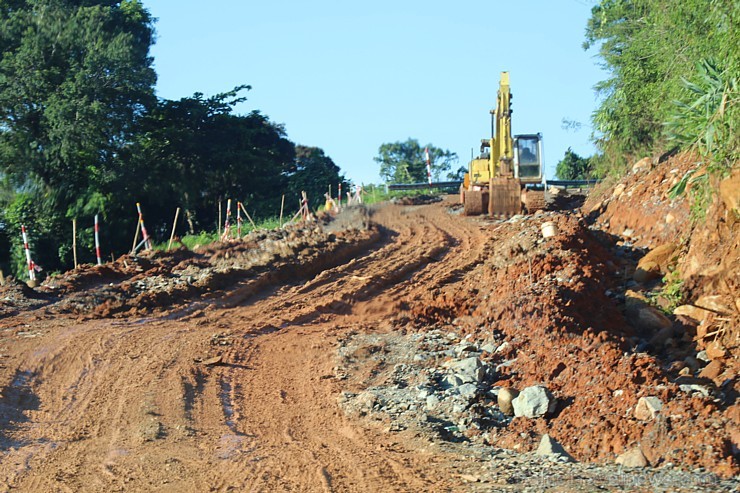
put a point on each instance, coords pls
(220, 370)
(129, 405)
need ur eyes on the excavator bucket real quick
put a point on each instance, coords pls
(505, 197)
(474, 202)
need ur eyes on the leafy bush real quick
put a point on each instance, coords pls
(707, 116)
(573, 167)
(658, 52)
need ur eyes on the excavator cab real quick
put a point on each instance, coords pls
(528, 156)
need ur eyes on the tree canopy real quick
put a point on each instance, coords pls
(405, 162)
(573, 167)
(314, 173)
(196, 151)
(75, 78)
(82, 133)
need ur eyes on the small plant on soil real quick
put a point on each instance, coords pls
(672, 290)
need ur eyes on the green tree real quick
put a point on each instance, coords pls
(75, 78)
(315, 173)
(405, 162)
(195, 152)
(573, 167)
(458, 174)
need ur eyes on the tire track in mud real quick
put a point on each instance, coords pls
(127, 406)
(303, 352)
(413, 259)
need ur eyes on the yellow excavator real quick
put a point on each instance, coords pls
(497, 180)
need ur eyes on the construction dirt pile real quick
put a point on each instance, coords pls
(395, 348)
(225, 273)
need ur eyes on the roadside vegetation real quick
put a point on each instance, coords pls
(674, 70)
(82, 133)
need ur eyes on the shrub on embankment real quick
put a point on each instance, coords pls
(674, 69)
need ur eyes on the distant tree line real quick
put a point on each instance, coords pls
(406, 162)
(82, 133)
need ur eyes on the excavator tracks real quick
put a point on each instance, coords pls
(534, 200)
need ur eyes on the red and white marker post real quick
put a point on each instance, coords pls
(31, 266)
(146, 240)
(227, 223)
(97, 240)
(339, 196)
(429, 166)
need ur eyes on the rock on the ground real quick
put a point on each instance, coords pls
(646, 271)
(650, 318)
(550, 448)
(661, 337)
(633, 458)
(432, 401)
(642, 164)
(534, 402)
(647, 408)
(618, 190)
(504, 398)
(470, 370)
(694, 312)
(467, 390)
(715, 350)
(644, 317)
(662, 256)
(712, 370)
(715, 303)
(452, 381)
(366, 401)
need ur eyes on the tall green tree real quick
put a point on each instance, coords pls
(405, 162)
(75, 78)
(195, 152)
(573, 167)
(315, 173)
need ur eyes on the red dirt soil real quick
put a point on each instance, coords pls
(214, 370)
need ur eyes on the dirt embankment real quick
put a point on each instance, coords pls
(691, 268)
(371, 354)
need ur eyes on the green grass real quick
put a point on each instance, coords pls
(377, 194)
(208, 237)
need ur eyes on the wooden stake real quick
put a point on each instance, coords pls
(136, 237)
(74, 240)
(282, 205)
(219, 218)
(248, 216)
(174, 223)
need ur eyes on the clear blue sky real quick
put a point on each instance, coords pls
(350, 76)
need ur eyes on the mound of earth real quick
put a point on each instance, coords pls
(228, 271)
(561, 314)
